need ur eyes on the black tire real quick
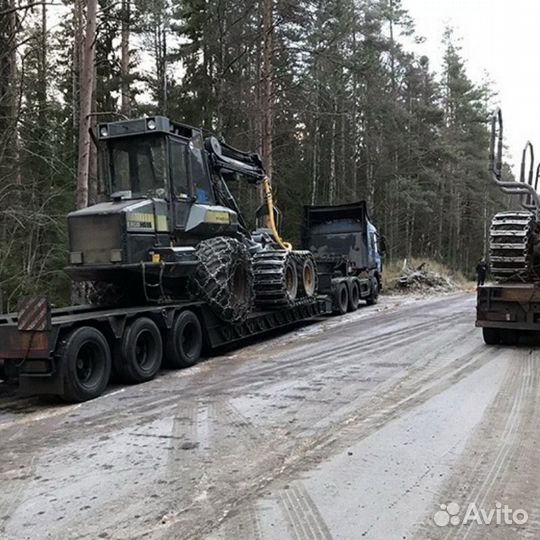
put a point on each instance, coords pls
(86, 358)
(509, 337)
(341, 298)
(224, 278)
(307, 276)
(492, 336)
(183, 343)
(354, 295)
(139, 353)
(373, 298)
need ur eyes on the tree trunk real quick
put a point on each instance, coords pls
(124, 58)
(267, 72)
(85, 100)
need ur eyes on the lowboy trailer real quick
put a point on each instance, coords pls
(74, 352)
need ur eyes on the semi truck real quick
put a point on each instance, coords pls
(172, 271)
(509, 307)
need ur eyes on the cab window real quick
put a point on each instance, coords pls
(179, 171)
(200, 176)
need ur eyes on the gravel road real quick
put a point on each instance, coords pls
(395, 422)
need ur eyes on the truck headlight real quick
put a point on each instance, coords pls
(104, 131)
(116, 255)
(76, 257)
(151, 124)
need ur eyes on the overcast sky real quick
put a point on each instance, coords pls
(500, 37)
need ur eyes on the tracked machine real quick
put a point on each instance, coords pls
(511, 306)
(169, 266)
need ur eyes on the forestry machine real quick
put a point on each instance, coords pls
(514, 247)
(171, 229)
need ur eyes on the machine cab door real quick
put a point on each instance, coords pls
(181, 190)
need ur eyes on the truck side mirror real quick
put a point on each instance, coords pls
(382, 245)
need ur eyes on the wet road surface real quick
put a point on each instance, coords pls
(345, 429)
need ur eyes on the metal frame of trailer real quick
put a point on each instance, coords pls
(40, 369)
(506, 311)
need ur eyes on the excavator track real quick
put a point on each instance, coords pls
(512, 238)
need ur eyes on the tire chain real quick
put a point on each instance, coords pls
(212, 282)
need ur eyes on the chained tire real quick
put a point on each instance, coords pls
(224, 278)
(276, 278)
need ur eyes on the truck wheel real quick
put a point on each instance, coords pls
(224, 278)
(373, 298)
(509, 337)
(354, 295)
(139, 352)
(341, 298)
(492, 336)
(183, 343)
(86, 356)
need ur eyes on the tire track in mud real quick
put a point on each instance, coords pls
(16, 480)
(303, 518)
(307, 453)
(204, 428)
(506, 460)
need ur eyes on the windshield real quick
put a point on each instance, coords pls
(139, 165)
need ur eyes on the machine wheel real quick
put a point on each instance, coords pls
(509, 337)
(86, 357)
(492, 336)
(183, 343)
(354, 295)
(373, 298)
(224, 278)
(307, 274)
(139, 352)
(341, 298)
(276, 278)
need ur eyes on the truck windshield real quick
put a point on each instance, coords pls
(139, 165)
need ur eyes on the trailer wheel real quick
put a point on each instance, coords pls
(341, 298)
(183, 343)
(509, 337)
(354, 295)
(86, 356)
(373, 298)
(492, 336)
(140, 351)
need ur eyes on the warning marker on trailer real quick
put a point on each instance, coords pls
(34, 314)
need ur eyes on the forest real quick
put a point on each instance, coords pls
(327, 91)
